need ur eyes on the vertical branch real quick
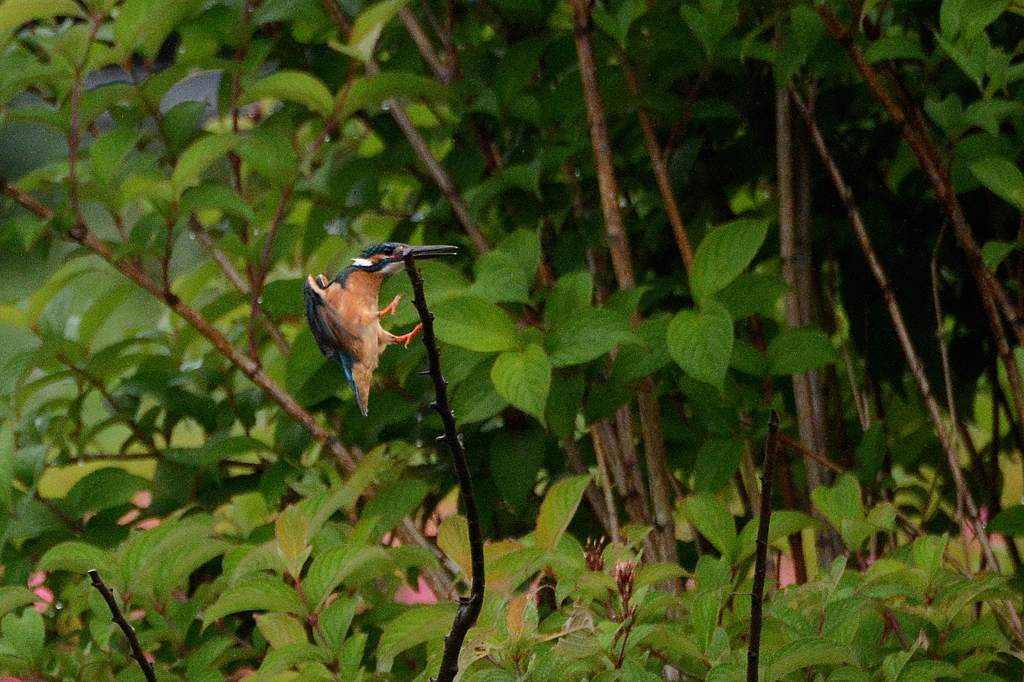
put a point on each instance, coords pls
(469, 608)
(129, 632)
(622, 264)
(909, 351)
(797, 270)
(771, 448)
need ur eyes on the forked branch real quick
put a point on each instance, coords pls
(469, 607)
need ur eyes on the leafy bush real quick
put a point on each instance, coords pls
(175, 170)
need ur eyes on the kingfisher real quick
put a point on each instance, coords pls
(344, 317)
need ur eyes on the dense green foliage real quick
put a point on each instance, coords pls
(176, 170)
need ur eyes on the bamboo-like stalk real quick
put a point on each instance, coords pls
(622, 264)
(909, 350)
(469, 609)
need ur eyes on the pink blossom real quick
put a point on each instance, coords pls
(421, 595)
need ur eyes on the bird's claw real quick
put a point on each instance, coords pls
(406, 339)
(391, 307)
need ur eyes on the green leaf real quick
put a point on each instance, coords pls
(198, 157)
(557, 510)
(524, 378)
(219, 197)
(700, 341)
(109, 150)
(371, 91)
(333, 567)
(724, 253)
(750, 293)
(290, 531)
(280, 629)
(256, 593)
(717, 460)
(500, 278)
(14, 13)
(23, 635)
(293, 86)
(102, 489)
(417, 625)
(453, 539)
(79, 557)
(143, 25)
(841, 504)
(571, 293)
(712, 518)
(1010, 521)
(587, 334)
(804, 653)
(1002, 177)
(800, 349)
(13, 597)
(367, 29)
(516, 457)
(474, 324)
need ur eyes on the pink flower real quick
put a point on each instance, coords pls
(45, 594)
(421, 595)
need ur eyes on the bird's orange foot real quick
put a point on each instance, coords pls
(391, 307)
(406, 339)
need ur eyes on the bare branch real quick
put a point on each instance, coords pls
(771, 447)
(129, 632)
(469, 609)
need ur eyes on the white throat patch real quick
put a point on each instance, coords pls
(362, 262)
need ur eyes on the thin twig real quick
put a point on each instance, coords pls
(659, 165)
(771, 448)
(129, 632)
(469, 608)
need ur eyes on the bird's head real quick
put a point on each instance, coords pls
(389, 257)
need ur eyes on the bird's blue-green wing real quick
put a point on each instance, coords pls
(334, 346)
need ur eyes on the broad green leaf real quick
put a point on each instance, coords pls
(724, 253)
(23, 635)
(14, 13)
(712, 518)
(290, 531)
(173, 573)
(333, 567)
(13, 597)
(587, 334)
(109, 150)
(524, 378)
(842, 506)
(797, 350)
(499, 278)
(367, 29)
(453, 539)
(219, 197)
(256, 593)
(198, 157)
(281, 629)
(783, 523)
(475, 399)
(214, 451)
(102, 489)
(1010, 521)
(419, 624)
(475, 324)
(516, 457)
(293, 86)
(717, 460)
(804, 653)
(700, 341)
(371, 91)
(752, 292)
(143, 25)
(79, 557)
(1002, 177)
(557, 510)
(571, 293)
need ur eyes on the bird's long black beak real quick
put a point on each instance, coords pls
(436, 251)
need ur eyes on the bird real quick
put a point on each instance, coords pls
(344, 317)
